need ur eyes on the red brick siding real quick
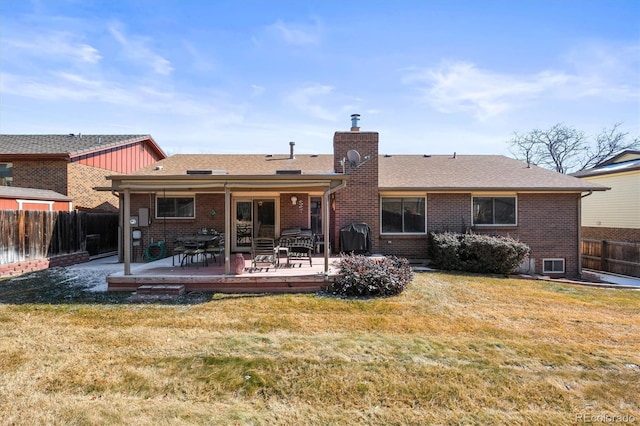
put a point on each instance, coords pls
(625, 235)
(411, 247)
(45, 174)
(168, 229)
(359, 201)
(448, 212)
(293, 216)
(547, 223)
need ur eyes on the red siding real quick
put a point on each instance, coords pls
(123, 159)
(12, 204)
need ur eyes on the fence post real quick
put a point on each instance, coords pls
(604, 247)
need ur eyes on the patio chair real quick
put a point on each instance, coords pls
(263, 253)
(193, 250)
(217, 248)
(178, 250)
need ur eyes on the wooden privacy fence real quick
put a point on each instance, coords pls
(29, 234)
(611, 256)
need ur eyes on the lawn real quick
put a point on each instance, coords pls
(452, 349)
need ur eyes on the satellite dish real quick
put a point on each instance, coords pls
(354, 157)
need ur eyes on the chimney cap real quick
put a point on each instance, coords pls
(354, 122)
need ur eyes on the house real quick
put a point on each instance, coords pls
(613, 215)
(72, 165)
(400, 197)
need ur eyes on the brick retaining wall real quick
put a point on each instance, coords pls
(20, 268)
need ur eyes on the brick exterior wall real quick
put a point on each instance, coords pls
(359, 201)
(81, 181)
(625, 235)
(168, 229)
(547, 223)
(45, 174)
(293, 216)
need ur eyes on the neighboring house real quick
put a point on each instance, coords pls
(15, 198)
(613, 215)
(73, 165)
(400, 197)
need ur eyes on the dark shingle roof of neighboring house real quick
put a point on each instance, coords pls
(613, 165)
(31, 194)
(65, 146)
(396, 172)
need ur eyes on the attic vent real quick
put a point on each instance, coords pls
(387, 155)
(199, 172)
(314, 155)
(269, 155)
(288, 172)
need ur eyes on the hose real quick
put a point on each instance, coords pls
(163, 250)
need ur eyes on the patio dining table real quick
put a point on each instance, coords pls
(195, 245)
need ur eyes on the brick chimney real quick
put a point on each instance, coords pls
(359, 201)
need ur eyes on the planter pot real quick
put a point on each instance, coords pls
(239, 263)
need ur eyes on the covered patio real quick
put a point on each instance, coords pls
(167, 276)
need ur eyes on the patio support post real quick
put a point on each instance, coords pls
(325, 230)
(127, 232)
(227, 230)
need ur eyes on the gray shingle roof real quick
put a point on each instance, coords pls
(70, 145)
(241, 164)
(32, 194)
(397, 172)
(472, 172)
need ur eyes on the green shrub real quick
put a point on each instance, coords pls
(476, 253)
(362, 276)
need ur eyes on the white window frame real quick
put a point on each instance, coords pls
(494, 195)
(402, 197)
(173, 195)
(553, 260)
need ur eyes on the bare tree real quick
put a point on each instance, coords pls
(566, 150)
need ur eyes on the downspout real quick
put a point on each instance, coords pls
(325, 222)
(580, 231)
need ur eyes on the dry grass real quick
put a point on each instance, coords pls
(450, 350)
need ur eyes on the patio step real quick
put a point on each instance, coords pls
(161, 289)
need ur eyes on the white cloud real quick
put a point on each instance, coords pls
(297, 34)
(461, 86)
(306, 99)
(257, 90)
(62, 86)
(55, 45)
(136, 49)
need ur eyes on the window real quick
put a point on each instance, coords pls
(552, 266)
(175, 207)
(403, 215)
(6, 174)
(494, 210)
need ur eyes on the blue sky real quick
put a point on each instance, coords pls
(433, 77)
